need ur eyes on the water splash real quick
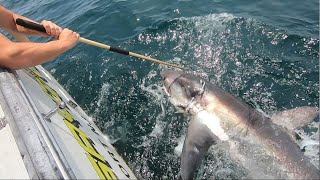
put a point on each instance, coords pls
(309, 141)
(260, 64)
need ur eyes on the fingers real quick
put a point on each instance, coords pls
(69, 37)
(51, 28)
(76, 35)
(69, 33)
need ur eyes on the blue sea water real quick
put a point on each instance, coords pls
(265, 52)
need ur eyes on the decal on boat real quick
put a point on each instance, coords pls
(99, 163)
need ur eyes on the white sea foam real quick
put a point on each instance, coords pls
(310, 142)
(90, 76)
(104, 90)
(158, 129)
(155, 92)
(52, 71)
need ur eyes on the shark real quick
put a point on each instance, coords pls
(264, 145)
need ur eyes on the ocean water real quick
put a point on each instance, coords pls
(265, 52)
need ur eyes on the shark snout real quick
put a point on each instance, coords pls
(168, 77)
(163, 74)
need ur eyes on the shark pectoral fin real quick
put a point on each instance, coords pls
(198, 140)
(293, 119)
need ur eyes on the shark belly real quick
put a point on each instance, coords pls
(264, 149)
(243, 145)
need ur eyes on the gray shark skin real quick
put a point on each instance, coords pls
(263, 147)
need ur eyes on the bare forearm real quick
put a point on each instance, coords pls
(24, 54)
(8, 22)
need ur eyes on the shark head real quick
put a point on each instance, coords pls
(183, 89)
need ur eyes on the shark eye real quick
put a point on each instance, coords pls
(190, 91)
(194, 93)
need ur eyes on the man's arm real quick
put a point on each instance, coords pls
(8, 22)
(26, 54)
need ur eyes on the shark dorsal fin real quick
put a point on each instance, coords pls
(293, 119)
